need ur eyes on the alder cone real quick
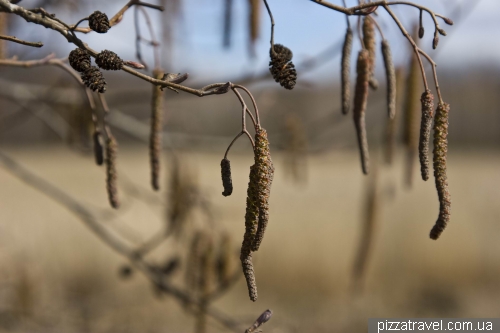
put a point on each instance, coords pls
(79, 60)
(109, 60)
(99, 22)
(281, 67)
(94, 79)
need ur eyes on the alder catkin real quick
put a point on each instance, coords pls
(439, 158)
(427, 101)
(346, 71)
(390, 73)
(156, 131)
(98, 150)
(369, 41)
(265, 174)
(251, 218)
(360, 102)
(111, 174)
(227, 183)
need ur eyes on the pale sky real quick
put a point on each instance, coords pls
(302, 25)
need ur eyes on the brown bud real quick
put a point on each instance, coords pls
(435, 42)
(439, 161)
(346, 71)
(447, 20)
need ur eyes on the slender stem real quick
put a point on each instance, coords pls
(154, 43)
(272, 26)
(416, 49)
(254, 103)
(232, 142)
(243, 104)
(20, 41)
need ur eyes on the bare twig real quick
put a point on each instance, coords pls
(20, 41)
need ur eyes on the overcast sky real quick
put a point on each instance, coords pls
(302, 25)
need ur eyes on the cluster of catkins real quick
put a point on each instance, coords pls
(365, 79)
(257, 203)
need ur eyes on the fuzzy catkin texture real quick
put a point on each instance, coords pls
(251, 221)
(94, 79)
(98, 150)
(439, 158)
(227, 183)
(265, 174)
(390, 73)
(427, 101)
(109, 60)
(346, 72)
(360, 103)
(111, 173)
(99, 22)
(369, 41)
(79, 60)
(282, 68)
(155, 137)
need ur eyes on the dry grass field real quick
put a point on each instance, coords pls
(58, 277)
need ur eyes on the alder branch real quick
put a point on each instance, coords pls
(20, 41)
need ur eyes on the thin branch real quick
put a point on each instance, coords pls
(272, 26)
(20, 41)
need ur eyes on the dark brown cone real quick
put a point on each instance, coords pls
(111, 174)
(265, 175)
(109, 60)
(360, 102)
(155, 137)
(99, 22)
(94, 79)
(281, 67)
(390, 73)
(227, 183)
(427, 101)
(79, 59)
(346, 72)
(439, 158)
(98, 150)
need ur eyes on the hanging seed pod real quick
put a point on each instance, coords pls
(94, 79)
(281, 67)
(227, 183)
(369, 41)
(251, 218)
(99, 22)
(111, 174)
(360, 102)
(98, 150)
(390, 73)
(421, 30)
(265, 174)
(79, 59)
(439, 160)
(427, 101)
(346, 71)
(155, 137)
(109, 60)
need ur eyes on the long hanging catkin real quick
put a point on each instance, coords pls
(251, 220)
(360, 102)
(111, 174)
(156, 131)
(346, 71)
(390, 73)
(265, 173)
(427, 100)
(369, 42)
(439, 158)
(227, 183)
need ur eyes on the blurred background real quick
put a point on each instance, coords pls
(340, 247)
